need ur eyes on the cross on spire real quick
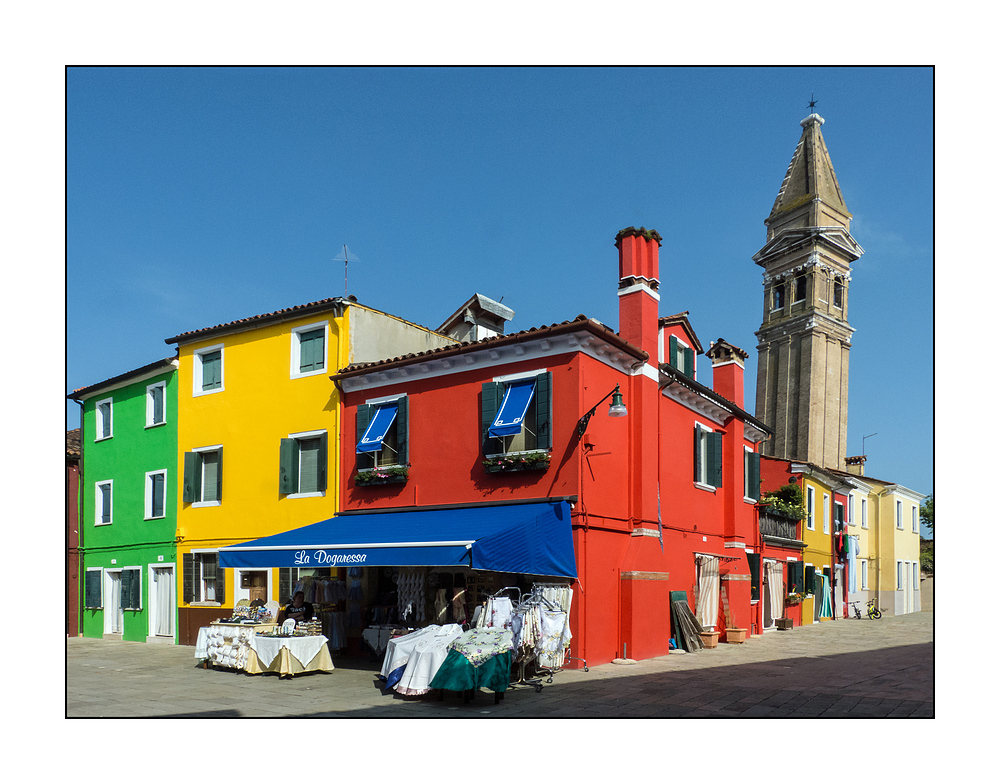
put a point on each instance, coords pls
(812, 102)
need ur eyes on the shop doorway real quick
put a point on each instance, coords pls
(114, 615)
(772, 595)
(253, 585)
(162, 601)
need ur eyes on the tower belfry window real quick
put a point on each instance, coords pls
(778, 296)
(838, 292)
(800, 288)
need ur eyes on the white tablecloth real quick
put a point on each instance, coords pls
(398, 649)
(426, 658)
(226, 644)
(302, 648)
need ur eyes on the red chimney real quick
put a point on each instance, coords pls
(638, 284)
(727, 370)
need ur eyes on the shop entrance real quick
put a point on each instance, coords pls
(253, 586)
(114, 615)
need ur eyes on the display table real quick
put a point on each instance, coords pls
(228, 644)
(412, 661)
(288, 655)
(479, 658)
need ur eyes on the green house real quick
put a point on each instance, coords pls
(128, 508)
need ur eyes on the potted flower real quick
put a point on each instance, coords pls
(382, 476)
(794, 598)
(786, 501)
(518, 461)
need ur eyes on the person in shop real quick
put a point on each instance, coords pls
(298, 610)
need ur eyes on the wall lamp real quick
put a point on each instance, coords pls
(616, 409)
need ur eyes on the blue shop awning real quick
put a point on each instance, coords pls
(371, 441)
(533, 538)
(516, 400)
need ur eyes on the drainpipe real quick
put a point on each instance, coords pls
(81, 597)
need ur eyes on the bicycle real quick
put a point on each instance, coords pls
(873, 612)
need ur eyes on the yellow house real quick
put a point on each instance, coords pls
(822, 578)
(258, 430)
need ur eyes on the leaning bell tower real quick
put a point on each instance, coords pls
(804, 339)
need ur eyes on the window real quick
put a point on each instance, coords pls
(103, 410)
(102, 515)
(838, 292)
(93, 598)
(156, 401)
(778, 296)
(864, 512)
(915, 515)
(383, 433)
(851, 509)
(751, 474)
(682, 356)
(302, 464)
(838, 514)
(899, 515)
(800, 288)
(810, 509)
(131, 589)
(208, 370)
(204, 580)
(203, 476)
(309, 350)
(915, 585)
(826, 513)
(517, 414)
(796, 577)
(863, 570)
(156, 494)
(707, 457)
(899, 575)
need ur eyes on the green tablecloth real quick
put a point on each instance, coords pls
(458, 674)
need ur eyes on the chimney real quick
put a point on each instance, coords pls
(638, 284)
(727, 370)
(856, 465)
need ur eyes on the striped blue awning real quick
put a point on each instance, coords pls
(372, 440)
(515, 404)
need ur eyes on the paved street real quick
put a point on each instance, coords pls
(851, 668)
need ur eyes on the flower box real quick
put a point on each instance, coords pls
(525, 461)
(709, 639)
(783, 623)
(381, 476)
(735, 636)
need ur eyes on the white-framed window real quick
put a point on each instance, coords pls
(838, 514)
(93, 588)
(204, 580)
(851, 509)
(383, 432)
(899, 575)
(915, 515)
(810, 508)
(826, 513)
(863, 571)
(915, 585)
(156, 494)
(707, 457)
(203, 476)
(156, 404)
(899, 515)
(682, 356)
(309, 345)
(302, 464)
(516, 413)
(102, 503)
(209, 370)
(864, 512)
(751, 475)
(130, 588)
(103, 412)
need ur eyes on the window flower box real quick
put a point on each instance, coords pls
(395, 475)
(784, 624)
(520, 461)
(794, 598)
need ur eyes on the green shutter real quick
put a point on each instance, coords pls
(543, 410)
(287, 466)
(697, 453)
(689, 362)
(130, 589)
(284, 584)
(218, 475)
(211, 370)
(809, 579)
(490, 405)
(715, 459)
(92, 589)
(192, 471)
(673, 350)
(753, 468)
(321, 464)
(157, 500)
(105, 503)
(311, 350)
(363, 419)
(187, 579)
(402, 431)
(220, 583)
(753, 561)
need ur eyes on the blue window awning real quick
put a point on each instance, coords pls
(516, 400)
(372, 440)
(533, 538)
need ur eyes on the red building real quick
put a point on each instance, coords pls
(661, 499)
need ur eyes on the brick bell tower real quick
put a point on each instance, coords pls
(804, 339)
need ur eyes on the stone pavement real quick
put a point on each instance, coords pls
(848, 668)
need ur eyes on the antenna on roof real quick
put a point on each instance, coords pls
(345, 257)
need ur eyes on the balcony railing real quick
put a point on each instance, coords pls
(775, 525)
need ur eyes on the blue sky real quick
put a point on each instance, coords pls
(197, 196)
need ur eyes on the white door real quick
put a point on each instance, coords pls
(114, 616)
(162, 611)
(907, 593)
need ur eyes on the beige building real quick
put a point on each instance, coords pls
(804, 340)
